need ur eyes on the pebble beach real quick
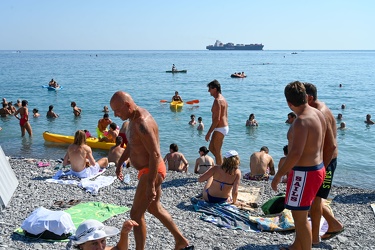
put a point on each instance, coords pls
(350, 205)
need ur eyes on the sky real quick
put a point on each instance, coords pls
(186, 25)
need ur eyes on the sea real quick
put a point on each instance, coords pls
(90, 78)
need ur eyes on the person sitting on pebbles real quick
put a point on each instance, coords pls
(77, 154)
(92, 234)
(222, 181)
(112, 133)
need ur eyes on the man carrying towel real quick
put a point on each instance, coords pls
(143, 150)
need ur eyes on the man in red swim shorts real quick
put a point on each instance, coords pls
(143, 150)
(304, 162)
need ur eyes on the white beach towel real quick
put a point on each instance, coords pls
(91, 186)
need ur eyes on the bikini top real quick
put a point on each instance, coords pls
(224, 183)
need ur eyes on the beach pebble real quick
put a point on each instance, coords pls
(350, 205)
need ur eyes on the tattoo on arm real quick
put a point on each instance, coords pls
(142, 128)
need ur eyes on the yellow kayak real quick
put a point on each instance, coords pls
(176, 104)
(91, 141)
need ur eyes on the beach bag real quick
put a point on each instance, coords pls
(47, 224)
(274, 205)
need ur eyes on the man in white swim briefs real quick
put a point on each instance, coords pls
(79, 153)
(219, 127)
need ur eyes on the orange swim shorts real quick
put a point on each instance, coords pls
(162, 170)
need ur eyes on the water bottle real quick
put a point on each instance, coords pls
(127, 179)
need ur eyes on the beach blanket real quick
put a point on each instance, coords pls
(89, 210)
(91, 186)
(248, 197)
(282, 222)
(223, 215)
(274, 222)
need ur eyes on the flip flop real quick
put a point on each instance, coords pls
(332, 234)
(73, 202)
(43, 164)
(191, 247)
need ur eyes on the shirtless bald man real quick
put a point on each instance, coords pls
(219, 127)
(143, 150)
(261, 166)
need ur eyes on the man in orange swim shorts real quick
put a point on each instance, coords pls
(143, 150)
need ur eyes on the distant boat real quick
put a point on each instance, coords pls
(230, 46)
(176, 71)
(238, 76)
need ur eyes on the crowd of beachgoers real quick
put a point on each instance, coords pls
(350, 205)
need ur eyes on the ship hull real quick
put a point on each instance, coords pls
(249, 47)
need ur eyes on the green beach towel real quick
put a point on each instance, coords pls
(89, 210)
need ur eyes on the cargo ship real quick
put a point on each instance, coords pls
(231, 46)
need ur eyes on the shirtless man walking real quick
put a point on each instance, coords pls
(306, 137)
(79, 153)
(219, 127)
(261, 165)
(318, 209)
(143, 150)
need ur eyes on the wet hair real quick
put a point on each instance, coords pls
(230, 164)
(311, 90)
(265, 149)
(295, 93)
(35, 110)
(24, 103)
(204, 150)
(73, 104)
(199, 119)
(105, 115)
(251, 115)
(292, 114)
(50, 107)
(174, 147)
(118, 140)
(192, 116)
(79, 137)
(215, 85)
(113, 126)
(285, 149)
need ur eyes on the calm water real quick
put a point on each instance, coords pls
(91, 77)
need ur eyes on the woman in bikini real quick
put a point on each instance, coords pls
(24, 120)
(222, 181)
(204, 162)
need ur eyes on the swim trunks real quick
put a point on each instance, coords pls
(100, 133)
(258, 177)
(303, 184)
(161, 170)
(327, 183)
(87, 172)
(213, 199)
(223, 130)
(124, 139)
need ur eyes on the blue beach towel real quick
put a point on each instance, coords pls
(224, 215)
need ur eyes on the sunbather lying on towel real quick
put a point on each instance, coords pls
(221, 180)
(77, 154)
(92, 234)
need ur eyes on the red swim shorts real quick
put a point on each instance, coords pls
(303, 184)
(162, 170)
